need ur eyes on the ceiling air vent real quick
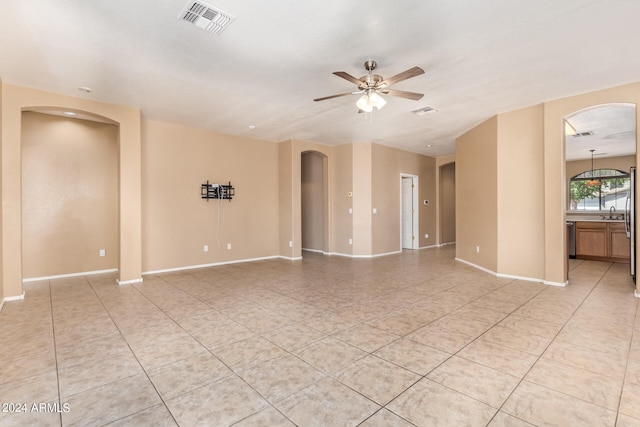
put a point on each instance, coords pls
(206, 17)
(423, 111)
(578, 135)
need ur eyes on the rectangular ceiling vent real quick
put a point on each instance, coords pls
(578, 135)
(206, 17)
(423, 111)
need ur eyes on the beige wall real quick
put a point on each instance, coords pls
(447, 203)
(476, 195)
(178, 223)
(521, 193)
(313, 201)
(69, 195)
(341, 185)
(388, 164)
(2, 275)
(362, 199)
(16, 99)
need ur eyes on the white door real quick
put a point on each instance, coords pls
(407, 213)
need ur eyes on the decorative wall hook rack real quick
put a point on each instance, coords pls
(217, 191)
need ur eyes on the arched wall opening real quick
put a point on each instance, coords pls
(17, 99)
(69, 193)
(314, 198)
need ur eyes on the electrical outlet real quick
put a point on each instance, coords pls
(206, 248)
(426, 236)
(477, 249)
(290, 244)
(351, 241)
(350, 210)
(375, 210)
(228, 245)
(103, 252)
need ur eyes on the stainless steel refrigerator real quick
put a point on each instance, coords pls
(630, 221)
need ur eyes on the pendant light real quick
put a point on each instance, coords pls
(593, 182)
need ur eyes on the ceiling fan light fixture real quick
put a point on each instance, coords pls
(364, 104)
(369, 100)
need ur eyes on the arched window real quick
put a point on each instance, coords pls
(599, 190)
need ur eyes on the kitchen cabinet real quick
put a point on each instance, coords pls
(602, 241)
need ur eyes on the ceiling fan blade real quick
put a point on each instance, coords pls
(348, 77)
(411, 72)
(403, 94)
(334, 96)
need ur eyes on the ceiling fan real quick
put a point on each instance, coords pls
(373, 85)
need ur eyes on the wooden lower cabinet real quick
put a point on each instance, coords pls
(602, 241)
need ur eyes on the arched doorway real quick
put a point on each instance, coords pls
(599, 138)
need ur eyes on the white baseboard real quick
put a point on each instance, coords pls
(214, 264)
(429, 247)
(129, 282)
(511, 276)
(8, 299)
(446, 244)
(63, 276)
(363, 256)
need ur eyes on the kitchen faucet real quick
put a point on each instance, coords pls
(611, 210)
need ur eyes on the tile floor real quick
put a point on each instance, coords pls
(412, 339)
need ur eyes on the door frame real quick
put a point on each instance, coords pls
(415, 216)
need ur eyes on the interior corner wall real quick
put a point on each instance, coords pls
(285, 200)
(447, 203)
(441, 161)
(341, 172)
(476, 196)
(520, 190)
(387, 166)
(362, 208)
(16, 99)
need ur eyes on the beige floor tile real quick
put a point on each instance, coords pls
(294, 336)
(627, 421)
(220, 403)
(505, 420)
(327, 403)
(586, 358)
(474, 380)
(398, 323)
(413, 356)
(87, 375)
(517, 339)
(110, 402)
(630, 401)
(14, 369)
(537, 327)
(29, 419)
(221, 335)
(377, 379)
(249, 352)
(267, 417)
(462, 325)
(280, 377)
(442, 339)
(330, 354)
(385, 418)
(496, 356)
(430, 404)
(36, 388)
(157, 416)
(90, 350)
(188, 374)
(366, 337)
(542, 406)
(577, 382)
(167, 350)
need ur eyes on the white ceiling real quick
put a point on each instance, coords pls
(480, 57)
